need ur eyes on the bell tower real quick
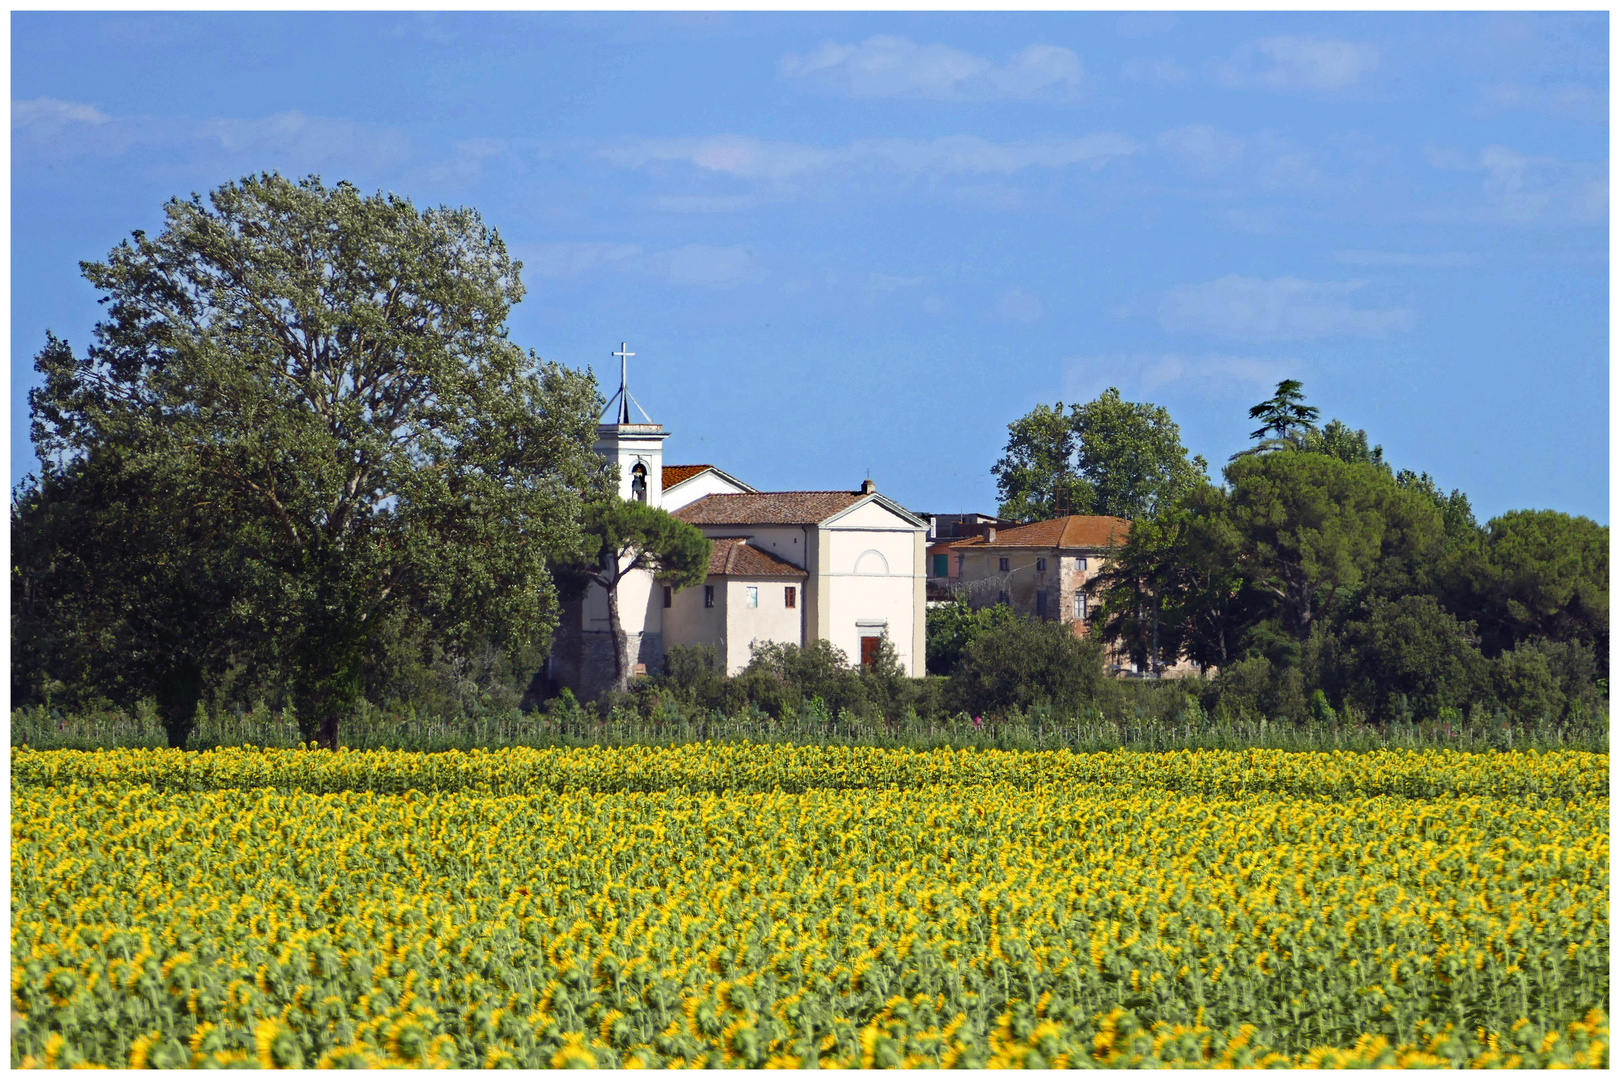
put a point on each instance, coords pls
(637, 447)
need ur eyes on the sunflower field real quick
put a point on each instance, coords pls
(772, 906)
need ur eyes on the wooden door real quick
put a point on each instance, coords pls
(869, 650)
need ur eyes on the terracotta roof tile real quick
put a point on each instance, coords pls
(675, 474)
(768, 507)
(1073, 531)
(735, 556)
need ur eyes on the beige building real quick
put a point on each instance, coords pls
(1040, 569)
(788, 566)
(1044, 570)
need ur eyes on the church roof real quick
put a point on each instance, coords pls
(1072, 531)
(675, 474)
(768, 507)
(735, 556)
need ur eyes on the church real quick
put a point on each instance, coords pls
(843, 566)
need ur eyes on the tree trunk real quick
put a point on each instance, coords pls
(621, 641)
(177, 702)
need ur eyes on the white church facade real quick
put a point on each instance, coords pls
(794, 567)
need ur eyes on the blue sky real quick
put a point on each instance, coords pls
(855, 243)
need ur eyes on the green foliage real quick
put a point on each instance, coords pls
(1410, 649)
(329, 374)
(1285, 413)
(1131, 453)
(1306, 527)
(1546, 574)
(1337, 439)
(1030, 663)
(1541, 680)
(623, 536)
(1036, 474)
(1108, 456)
(954, 626)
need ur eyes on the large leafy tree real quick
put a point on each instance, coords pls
(123, 587)
(1132, 455)
(1036, 477)
(1545, 574)
(623, 536)
(333, 371)
(1173, 588)
(1308, 527)
(1108, 456)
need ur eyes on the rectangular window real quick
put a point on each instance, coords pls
(1080, 563)
(669, 596)
(1004, 565)
(870, 647)
(1080, 606)
(790, 597)
(1040, 605)
(942, 565)
(708, 596)
(1040, 566)
(1001, 597)
(753, 596)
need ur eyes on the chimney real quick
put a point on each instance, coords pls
(867, 487)
(990, 535)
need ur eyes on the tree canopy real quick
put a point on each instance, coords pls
(623, 536)
(1108, 456)
(330, 373)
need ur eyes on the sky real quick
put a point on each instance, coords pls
(851, 245)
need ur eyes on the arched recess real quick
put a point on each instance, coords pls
(872, 562)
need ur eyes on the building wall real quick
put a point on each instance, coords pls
(688, 622)
(872, 573)
(772, 620)
(690, 491)
(731, 626)
(784, 541)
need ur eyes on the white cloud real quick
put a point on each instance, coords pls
(1565, 100)
(305, 139)
(1299, 63)
(705, 204)
(881, 284)
(1162, 70)
(1204, 148)
(692, 264)
(1016, 305)
(785, 163)
(1519, 188)
(1216, 375)
(466, 162)
(53, 112)
(1425, 260)
(1275, 309)
(893, 67)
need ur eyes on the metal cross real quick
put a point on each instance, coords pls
(624, 354)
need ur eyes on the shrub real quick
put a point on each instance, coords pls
(1030, 662)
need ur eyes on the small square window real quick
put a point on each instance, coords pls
(790, 597)
(1080, 563)
(669, 596)
(753, 596)
(1040, 566)
(708, 596)
(1004, 565)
